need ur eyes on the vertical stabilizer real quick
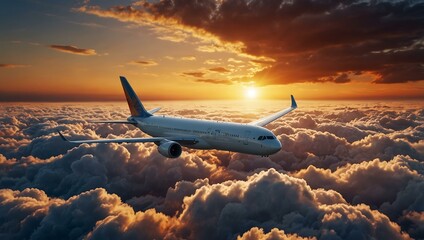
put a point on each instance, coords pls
(136, 107)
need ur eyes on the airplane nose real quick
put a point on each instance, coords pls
(275, 146)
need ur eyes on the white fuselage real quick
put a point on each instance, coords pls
(234, 137)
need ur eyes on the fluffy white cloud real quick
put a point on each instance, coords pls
(372, 156)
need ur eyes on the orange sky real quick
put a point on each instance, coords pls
(76, 51)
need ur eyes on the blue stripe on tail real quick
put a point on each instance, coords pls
(137, 109)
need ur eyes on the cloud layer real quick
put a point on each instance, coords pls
(347, 172)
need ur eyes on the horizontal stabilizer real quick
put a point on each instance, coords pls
(154, 110)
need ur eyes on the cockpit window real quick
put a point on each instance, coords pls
(260, 138)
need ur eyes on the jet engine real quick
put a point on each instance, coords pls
(170, 149)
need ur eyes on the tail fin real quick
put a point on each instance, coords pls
(136, 108)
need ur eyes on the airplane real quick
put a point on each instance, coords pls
(171, 133)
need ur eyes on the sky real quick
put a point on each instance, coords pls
(56, 50)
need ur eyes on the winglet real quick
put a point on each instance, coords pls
(63, 137)
(136, 107)
(293, 102)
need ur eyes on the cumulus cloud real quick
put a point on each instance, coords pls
(375, 183)
(343, 172)
(415, 223)
(130, 172)
(74, 50)
(223, 210)
(39, 217)
(275, 233)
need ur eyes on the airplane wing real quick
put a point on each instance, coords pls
(156, 140)
(264, 121)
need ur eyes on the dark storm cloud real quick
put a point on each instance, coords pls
(362, 167)
(310, 41)
(73, 50)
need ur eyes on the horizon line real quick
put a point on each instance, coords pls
(39, 97)
(203, 99)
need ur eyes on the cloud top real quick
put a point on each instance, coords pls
(345, 171)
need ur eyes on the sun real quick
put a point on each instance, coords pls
(251, 93)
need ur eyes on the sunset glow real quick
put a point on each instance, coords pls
(75, 51)
(251, 93)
